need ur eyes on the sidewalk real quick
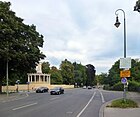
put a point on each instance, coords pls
(118, 112)
(12, 96)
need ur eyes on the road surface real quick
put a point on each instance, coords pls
(73, 103)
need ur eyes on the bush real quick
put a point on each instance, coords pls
(118, 87)
(121, 103)
(106, 87)
(133, 86)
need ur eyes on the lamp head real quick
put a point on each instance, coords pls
(117, 24)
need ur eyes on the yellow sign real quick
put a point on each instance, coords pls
(125, 73)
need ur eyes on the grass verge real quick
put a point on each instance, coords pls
(121, 103)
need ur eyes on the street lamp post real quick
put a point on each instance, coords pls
(117, 24)
(7, 79)
(7, 89)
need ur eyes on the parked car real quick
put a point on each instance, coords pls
(57, 91)
(84, 87)
(42, 89)
(89, 87)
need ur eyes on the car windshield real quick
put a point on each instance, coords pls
(56, 88)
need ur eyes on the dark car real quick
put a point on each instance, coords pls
(57, 91)
(42, 89)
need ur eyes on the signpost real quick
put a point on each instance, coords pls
(125, 73)
(17, 81)
(125, 64)
(124, 80)
(28, 85)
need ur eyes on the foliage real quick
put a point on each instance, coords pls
(121, 103)
(118, 86)
(90, 71)
(80, 76)
(134, 86)
(45, 67)
(112, 80)
(102, 78)
(107, 87)
(19, 44)
(114, 74)
(135, 70)
(137, 6)
(67, 72)
(56, 77)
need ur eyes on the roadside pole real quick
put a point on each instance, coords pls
(125, 63)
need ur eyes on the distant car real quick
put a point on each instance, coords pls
(89, 87)
(42, 89)
(57, 91)
(84, 87)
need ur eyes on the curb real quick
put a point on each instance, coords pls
(101, 111)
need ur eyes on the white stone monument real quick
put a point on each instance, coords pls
(39, 77)
(39, 68)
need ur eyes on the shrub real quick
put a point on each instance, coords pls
(118, 86)
(133, 86)
(121, 103)
(107, 87)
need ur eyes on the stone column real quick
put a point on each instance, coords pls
(35, 77)
(31, 78)
(48, 79)
(44, 79)
(28, 78)
(39, 78)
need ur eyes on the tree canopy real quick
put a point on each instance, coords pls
(19, 43)
(137, 6)
(67, 72)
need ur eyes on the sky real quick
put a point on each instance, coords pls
(83, 31)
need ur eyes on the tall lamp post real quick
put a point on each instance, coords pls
(117, 24)
(7, 79)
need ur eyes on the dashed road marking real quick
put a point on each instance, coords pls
(24, 106)
(54, 98)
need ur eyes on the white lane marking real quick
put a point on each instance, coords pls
(69, 112)
(103, 100)
(86, 105)
(54, 98)
(24, 106)
(15, 98)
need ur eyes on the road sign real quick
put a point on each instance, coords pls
(124, 80)
(125, 63)
(125, 73)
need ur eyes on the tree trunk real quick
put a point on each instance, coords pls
(0, 85)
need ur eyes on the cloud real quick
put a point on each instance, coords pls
(82, 30)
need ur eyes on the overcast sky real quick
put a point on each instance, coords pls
(83, 31)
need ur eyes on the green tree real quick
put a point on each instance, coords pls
(19, 44)
(137, 6)
(102, 78)
(45, 67)
(67, 72)
(56, 77)
(80, 76)
(114, 74)
(135, 71)
(90, 71)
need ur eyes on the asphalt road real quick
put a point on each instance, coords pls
(73, 103)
